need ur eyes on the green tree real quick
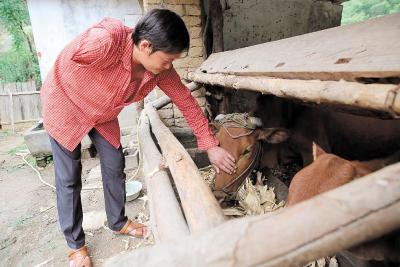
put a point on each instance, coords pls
(20, 63)
(359, 10)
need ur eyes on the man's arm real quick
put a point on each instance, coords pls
(171, 84)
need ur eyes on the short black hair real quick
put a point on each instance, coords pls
(164, 29)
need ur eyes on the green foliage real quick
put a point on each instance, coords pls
(15, 67)
(360, 10)
(20, 63)
(14, 17)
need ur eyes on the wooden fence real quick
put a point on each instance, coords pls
(19, 103)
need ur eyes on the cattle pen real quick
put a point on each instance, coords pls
(355, 67)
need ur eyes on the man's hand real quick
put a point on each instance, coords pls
(221, 160)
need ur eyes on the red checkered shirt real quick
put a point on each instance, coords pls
(90, 83)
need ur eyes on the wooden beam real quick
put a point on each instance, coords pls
(165, 100)
(22, 93)
(336, 220)
(201, 209)
(370, 49)
(20, 121)
(375, 97)
(167, 221)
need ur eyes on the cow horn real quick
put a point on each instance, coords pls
(219, 117)
(255, 122)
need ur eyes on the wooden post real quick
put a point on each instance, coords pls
(333, 221)
(165, 213)
(11, 110)
(201, 209)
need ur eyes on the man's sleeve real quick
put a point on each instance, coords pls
(172, 86)
(93, 48)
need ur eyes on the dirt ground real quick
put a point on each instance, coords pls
(29, 228)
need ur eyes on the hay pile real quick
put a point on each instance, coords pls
(256, 200)
(251, 199)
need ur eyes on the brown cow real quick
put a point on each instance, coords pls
(349, 136)
(346, 135)
(242, 140)
(329, 171)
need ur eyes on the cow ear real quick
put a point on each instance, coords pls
(273, 135)
(317, 151)
(215, 127)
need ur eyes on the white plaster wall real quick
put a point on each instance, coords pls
(56, 22)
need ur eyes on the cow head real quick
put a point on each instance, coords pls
(241, 136)
(329, 171)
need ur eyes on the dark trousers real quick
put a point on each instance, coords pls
(68, 169)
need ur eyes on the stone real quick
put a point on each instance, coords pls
(196, 51)
(196, 42)
(166, 113)
(178, 9)
(181, 122)
(169, 122)
(192, 10)
(195, 32)
(181, 63)
(37, 140)
(191, 21)
(167, 106)
(177, 113)
(195, 62)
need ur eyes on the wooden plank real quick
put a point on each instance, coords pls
(373, 97)
(167, 221)
(18, 87)
(26, 107)
(200, 207)
(362, 50)
(11, 111)
(351, 214)
(5, 109)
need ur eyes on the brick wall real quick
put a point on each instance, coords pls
(190, 12)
